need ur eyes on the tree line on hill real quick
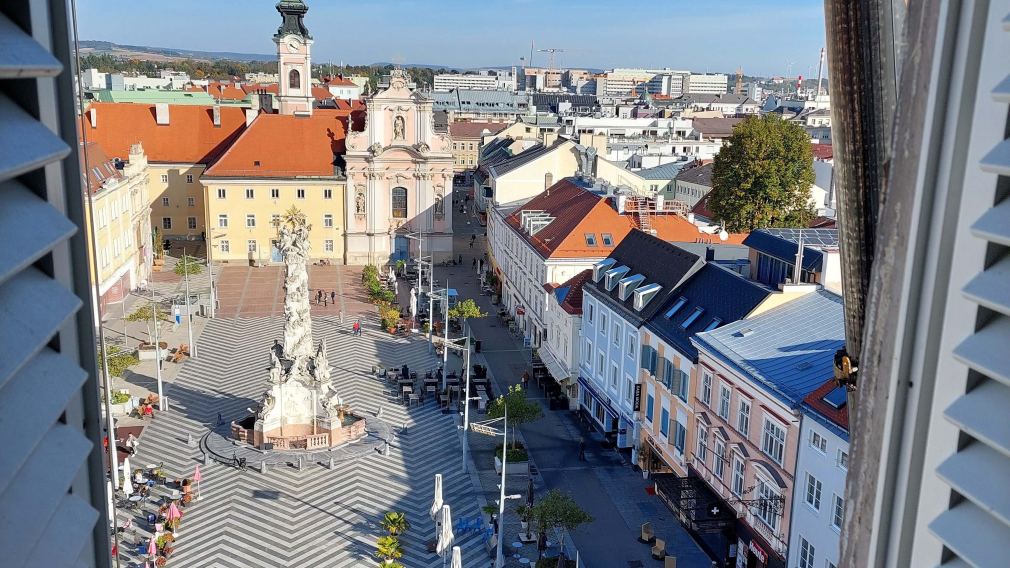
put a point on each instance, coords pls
(224, 69)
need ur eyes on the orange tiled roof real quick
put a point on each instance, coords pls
(284, 146)
(676, 229)
(101, 168)
(318, 93)
(822, 151)
(576, 212)
(339, 82)
(226, 91)
(190, 136)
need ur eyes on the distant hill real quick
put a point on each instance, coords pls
(149, 52)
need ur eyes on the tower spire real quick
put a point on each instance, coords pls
(293, 19)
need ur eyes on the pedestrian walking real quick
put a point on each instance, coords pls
(319, 296)
(131, 444)
(461, 259)
(474, 263)
(582, 449)
(333, 297)
(526, 379)
(324, 300)
(471, 244)
(356, 328)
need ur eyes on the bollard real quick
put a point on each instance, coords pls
(189, 440)
(299, 465)
(331, 463)
(263, 466)
(378, 413)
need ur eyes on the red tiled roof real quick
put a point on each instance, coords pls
(100, 167)
(226, 91)
(573, 298)
(676, 229)
(839, 416)
(339, 81)
(460, 130)
(701, 208)
(285, 146)
(576, 212)
(822, 151)
(190, 136)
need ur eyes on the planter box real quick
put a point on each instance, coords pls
(124, 409)
(148, 353)
(512, 468)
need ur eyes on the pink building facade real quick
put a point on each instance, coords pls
(399, 180)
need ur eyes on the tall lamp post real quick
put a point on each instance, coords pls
(162, 403)
(189, 313)
(486, 429)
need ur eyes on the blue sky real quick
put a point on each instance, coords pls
(763, 36)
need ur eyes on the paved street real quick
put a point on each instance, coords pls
(611, 491)
(314, 516)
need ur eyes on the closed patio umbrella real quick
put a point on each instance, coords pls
(445, 536)
(436, 504)
(127, 477)
(152, 547)
(457, 558)
(197, 477)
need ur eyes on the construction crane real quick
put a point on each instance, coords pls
(551, 62)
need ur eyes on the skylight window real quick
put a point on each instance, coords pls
(608, 239)
(591, 239)
(676, 307)
(713, 324)
(690, 319)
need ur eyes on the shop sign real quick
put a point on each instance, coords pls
(637, 404)
(758, 551)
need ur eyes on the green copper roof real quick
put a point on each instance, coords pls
(293, 14)
(151, 96)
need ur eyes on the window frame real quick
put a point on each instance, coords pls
(766, 436)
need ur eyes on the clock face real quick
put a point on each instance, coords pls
(292, 46)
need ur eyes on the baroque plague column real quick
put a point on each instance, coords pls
(399, 179)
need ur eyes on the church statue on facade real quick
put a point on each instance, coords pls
(300, 408)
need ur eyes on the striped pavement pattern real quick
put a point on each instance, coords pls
(314, 516)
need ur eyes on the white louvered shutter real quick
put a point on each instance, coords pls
(975, 528)
(50, 466)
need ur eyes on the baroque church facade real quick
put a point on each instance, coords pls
(399, 179)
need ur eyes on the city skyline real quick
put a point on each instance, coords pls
(720, 39)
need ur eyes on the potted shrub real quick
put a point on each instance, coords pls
(395, 523)
(524, 513)
(389, 549)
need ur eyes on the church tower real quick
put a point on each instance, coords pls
(294, 59)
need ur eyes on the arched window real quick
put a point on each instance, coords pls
(399, 203)
(295, 79)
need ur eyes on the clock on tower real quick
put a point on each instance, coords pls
(294, 59)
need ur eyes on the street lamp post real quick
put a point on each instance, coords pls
(189, 313)
(162, 403)
(210, 270)
(445, 351)
(499, 561)
(466, 399)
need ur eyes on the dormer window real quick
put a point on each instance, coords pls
(675, 307)
(600, 267)
(692, 317)
(713, 324)
(591, 239)
(627, 286)
(645, 294)
(615, 274)
(608, 239)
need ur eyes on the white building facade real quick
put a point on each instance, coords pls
(706, 84)
(819, 493)
(450, 81)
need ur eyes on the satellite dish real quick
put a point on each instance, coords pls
(723, 235)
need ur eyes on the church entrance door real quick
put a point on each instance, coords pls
(400, 248)
(275, 251)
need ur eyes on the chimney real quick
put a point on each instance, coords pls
(93, 116)
(709, 254)
(161, 114)
(217, 116)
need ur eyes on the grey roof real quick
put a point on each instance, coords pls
(659, 261)
(731, 98)
(478, 100)
(783, 243)
(722, 296)
(664, 171)
(700, 175)
(787, 351)
(520, 159)
(543, 120)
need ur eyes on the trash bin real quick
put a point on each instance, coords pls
(476, 346)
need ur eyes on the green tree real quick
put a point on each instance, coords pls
(188, 265)
(145, 314)
(388, 548)
(762, 176)
(556, 513)
(520, 409)
(395, 523)
(466, 310)
(118, 359)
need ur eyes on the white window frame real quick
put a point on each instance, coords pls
(812, 490)
(224, 245)
(189, 178)
(165, 202)
(222, 221)
(706, 388)
(743, 418)
(725, 400)
(328, 245)
(250, 193)
(818, 442)
(766, 437)
(806, 557)
(250, 220)
(251, 245)
(222, 193)
(275, 193)
(328, 221)
(738, 477)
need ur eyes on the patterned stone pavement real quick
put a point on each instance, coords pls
(314, 516)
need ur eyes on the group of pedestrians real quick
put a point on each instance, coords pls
(326, 298)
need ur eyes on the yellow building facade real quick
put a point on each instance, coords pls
(177, 200)
(242, 217)
(118, 223)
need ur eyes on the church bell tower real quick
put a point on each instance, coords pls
(294, 58)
